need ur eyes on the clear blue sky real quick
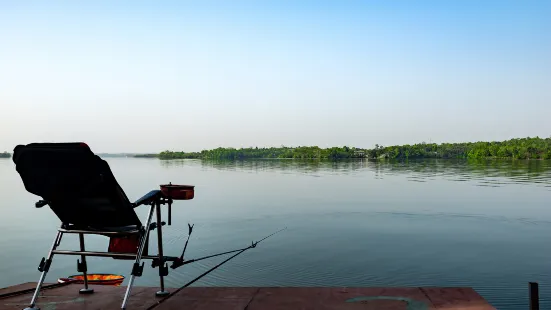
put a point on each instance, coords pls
(148, 76)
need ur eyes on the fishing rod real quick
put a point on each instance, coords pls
(253, 245)
(179, 263)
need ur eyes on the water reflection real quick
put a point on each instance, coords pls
(493, 173)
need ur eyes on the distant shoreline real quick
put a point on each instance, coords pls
(518, 148)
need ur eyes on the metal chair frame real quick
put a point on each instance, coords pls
(155, 200)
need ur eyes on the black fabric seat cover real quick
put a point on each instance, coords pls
(77, 184)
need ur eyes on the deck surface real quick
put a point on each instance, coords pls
(247, 298)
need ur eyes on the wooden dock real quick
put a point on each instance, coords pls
(65, 297)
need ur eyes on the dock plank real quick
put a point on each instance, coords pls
(18, 288)
(455, 298)
(67, 297)
(212, 298)
(339, 298)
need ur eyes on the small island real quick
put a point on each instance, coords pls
(518, 148)
(5, 155)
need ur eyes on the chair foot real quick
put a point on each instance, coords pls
(161, 293)
(86, 291)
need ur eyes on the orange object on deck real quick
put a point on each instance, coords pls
(95, 278)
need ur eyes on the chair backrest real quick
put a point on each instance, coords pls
(77, 184)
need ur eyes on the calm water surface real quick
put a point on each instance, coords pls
(422, 223)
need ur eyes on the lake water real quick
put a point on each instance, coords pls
(485, 224)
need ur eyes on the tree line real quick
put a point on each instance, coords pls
(5, 155)
(518, 148)
(146, 155)
(303, 152)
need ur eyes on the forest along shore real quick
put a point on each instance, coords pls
(519, 148)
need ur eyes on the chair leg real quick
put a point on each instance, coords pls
(136, 268)
(82, 267)
(163, 268)
(44, 267)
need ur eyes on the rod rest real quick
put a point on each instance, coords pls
(178, 262)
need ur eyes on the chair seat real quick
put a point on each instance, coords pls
(121, 230)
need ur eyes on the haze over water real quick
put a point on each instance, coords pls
(484, 224)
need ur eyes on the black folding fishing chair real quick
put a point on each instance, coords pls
(81, 190)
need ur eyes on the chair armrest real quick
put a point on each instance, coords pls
(41, 203)
(147, 198)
